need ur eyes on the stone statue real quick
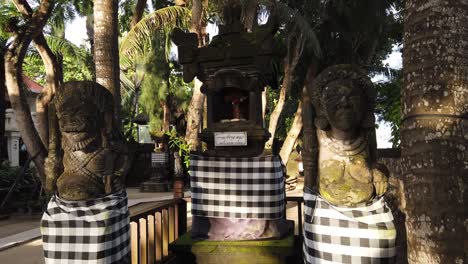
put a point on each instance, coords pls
(343, 98)
(89, 199)
(346, 217)
(95, 160)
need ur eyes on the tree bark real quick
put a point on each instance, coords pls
(276, 113)
(194, 117)
(249, 15)
(106, 50)
(309, 135)
(2, 102)
(198, 24)
(138, 12)
(14, 58)
(195, 111)
(295, 49)
(53, 81)
(434, 130)
(90, 34)
(293, 134)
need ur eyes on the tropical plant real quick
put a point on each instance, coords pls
(388, 106)
(146, 48)
(76, 61)
(178, 143)
(139, 39)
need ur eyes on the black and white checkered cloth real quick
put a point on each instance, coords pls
(158, 159)
(85, 232)
(332, 234)
(237, 187)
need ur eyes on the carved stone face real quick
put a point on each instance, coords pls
(78, 122)
(344, 105)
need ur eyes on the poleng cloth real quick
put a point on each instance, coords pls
(84, 232)
(237, 187)
(159, 158)
(362, 234)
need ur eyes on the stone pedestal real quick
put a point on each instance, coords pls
(158, 181)
(278, 251)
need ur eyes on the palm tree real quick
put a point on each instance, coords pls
(138, 41)
(148, 42)
(106, 49)
(433, 133)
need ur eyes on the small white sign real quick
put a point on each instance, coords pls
(224, 139)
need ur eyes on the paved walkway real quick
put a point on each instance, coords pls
(19, 229)
(25, 247)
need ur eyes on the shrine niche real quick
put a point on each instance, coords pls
(234, 69)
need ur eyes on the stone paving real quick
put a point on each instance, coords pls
(20, 241)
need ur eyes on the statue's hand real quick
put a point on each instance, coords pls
(380, 181)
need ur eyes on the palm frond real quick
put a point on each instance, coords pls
(126, 85)
(7, 12)
(138, 40)
(66, 48)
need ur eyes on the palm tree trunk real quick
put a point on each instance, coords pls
(106, 50)
(53, 81)
(433, 133)
(292, 136)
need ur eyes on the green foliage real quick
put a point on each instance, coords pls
(77, 62)
(144, 54)
(125, 15)
(23, 192)
(287, 116)
(178, 143)
(7, 13)
(388, 103)
(64, 12)
(139, 40)
(155, 87)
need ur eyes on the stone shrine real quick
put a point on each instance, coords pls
(234, 68)
(238, 192)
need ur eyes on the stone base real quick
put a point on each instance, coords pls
(189, 251)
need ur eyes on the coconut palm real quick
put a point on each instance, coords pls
(433, 133)
(106, 49)
(139, 39)
(147, 46)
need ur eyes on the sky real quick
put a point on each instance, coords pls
(76, 33)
